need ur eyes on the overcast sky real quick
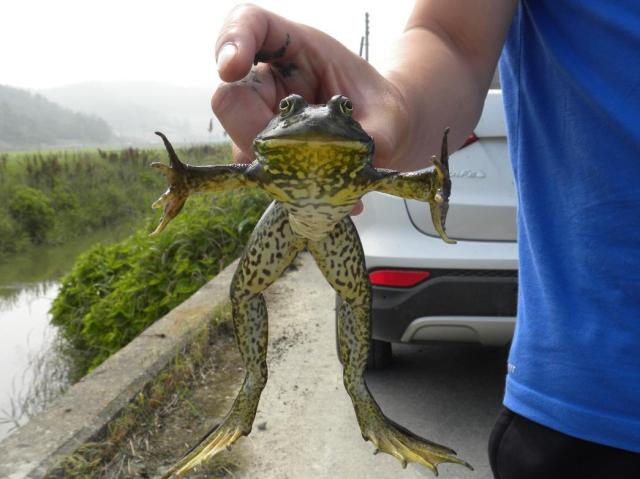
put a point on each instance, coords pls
(46, 43)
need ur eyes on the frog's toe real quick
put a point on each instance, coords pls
(220, 439)
(439, 209)
(164, 199)
(164, 169)
(173, 204)
(406, 446)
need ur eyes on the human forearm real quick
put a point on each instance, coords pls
(442, 66)
(437, 75)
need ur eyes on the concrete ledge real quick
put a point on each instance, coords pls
(83, 412)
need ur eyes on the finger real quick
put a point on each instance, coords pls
(251, 33)
(239, 156)
(244, 108)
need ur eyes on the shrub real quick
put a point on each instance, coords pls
(114, 292)
(87, 189)
(63, 200)
(12, 238)
(31, 209)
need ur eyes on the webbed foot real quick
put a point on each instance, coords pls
(233, 427)
(174, 198)
(439, 200)
(406, 446)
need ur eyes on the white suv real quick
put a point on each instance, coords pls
(426, 290)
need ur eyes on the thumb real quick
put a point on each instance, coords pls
(249, 35)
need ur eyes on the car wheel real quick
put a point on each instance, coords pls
(380, 354)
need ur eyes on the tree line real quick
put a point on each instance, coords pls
(29, 121)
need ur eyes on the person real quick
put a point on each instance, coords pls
(571, 85)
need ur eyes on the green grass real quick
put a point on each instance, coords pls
(52, 197)
(114, 292)
(172, 385)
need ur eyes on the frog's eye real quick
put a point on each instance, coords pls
(285, 106)
(346, 107)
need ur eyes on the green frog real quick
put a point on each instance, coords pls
(315, 161)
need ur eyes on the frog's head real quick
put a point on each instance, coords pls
(300, 126)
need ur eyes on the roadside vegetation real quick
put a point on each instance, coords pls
(52, 197)
(115, 291)
(178, 405)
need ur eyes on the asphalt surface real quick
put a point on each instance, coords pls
(448, 393)
(306, 427)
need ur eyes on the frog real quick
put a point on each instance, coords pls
(315, 161)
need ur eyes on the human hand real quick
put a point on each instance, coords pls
(295, 58)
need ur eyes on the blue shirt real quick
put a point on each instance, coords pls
(571, 82)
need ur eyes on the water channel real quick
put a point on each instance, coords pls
(31, 373)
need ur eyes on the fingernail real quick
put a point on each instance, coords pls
(225, 55)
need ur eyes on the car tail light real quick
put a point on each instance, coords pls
(472, 138)
(399, 278)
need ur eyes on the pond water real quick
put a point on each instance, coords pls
(25, 352)
(31, 373)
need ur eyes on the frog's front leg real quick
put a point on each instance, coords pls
(186, 179)
(341, 259)
(432, 185)
(271, 248)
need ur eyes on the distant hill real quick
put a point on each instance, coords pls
(29, 120)
(136, 109)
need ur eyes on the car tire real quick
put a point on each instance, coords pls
(380, 352)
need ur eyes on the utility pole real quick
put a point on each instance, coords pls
(364, 40)
(366, 36)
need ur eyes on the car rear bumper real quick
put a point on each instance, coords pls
(486, 330)
(452, 305)
(470, 296)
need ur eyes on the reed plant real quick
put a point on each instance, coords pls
(53, 197)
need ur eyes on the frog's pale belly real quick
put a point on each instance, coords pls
(315, 221)
(314, 207)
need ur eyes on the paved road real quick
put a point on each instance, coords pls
(306, 428)
(448, 393)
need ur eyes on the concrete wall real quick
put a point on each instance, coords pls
(82, 413)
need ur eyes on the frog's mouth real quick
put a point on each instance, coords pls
(314, 131)
(311, 141)
(326, 145)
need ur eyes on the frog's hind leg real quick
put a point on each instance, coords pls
(271, 248)
(341, 260)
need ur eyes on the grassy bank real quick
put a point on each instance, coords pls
(151, 431)
(114, 292)
(51, 197)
